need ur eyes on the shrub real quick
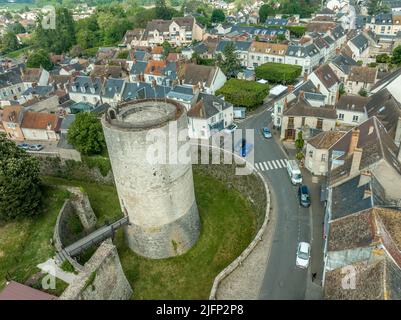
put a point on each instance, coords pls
(278, 72)
(244, 93)
(20, 193)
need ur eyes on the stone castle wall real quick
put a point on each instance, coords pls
(102, 278)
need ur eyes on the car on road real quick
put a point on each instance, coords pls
(243, 148)
(303, 255)
(24, 146)
(231, 128)
(266, 133)
(35, 147)
(304, 196)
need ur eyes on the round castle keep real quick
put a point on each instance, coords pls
(158, 198)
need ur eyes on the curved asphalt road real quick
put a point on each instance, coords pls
(282, 280)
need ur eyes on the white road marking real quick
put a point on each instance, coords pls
(283, 162)
(274, 164)
(264, 163)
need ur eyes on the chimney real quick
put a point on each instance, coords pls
(354, 140)
(301, 94)
(356, 161)
(305, 76)
(364, 178)
(285, 103)
(318, 87)
(290, 88)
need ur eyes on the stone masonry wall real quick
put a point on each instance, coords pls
(102, 278)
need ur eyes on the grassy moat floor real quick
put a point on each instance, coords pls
(227, 226)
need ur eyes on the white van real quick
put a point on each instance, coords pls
(294, 172)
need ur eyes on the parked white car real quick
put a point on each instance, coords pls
(231, 128)
(303, 255)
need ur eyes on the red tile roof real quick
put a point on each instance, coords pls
(17, 291)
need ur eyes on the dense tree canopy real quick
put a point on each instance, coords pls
(60, 39)
(19, 182)
(244, 93)
(9, 42)
(396, 57)
(218, 16)
(86, 134)
(229, 63)
(39, 58)
(278, 72)
(265, 11)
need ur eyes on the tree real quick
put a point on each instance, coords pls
(299, 142)
(167, 48)
(60, 39)
(16, 28)
(19, 182)
(264, 12)
(39, 59)
(249, 94)
(218, 16)
(229, 63)
(9, 42)
(278, 72)
(396, 57)
(86, 134)
(376, 7)
(363, 92)
(383, 58)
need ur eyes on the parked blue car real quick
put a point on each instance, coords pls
(24, 146)
(266, 133)
(243, 147)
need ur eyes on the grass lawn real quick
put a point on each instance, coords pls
(228, 224)
(26, 243)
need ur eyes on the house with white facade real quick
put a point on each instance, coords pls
(351, 110)
(207, 78)
(262, 52)
(208, 116)
(85, 89)
(317, 151)
(305, 56)
(326, 82)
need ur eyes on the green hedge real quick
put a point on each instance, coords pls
(249, 94)
(278, 72)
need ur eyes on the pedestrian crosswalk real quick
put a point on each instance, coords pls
(271, 165)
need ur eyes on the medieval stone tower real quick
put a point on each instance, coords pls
(159, 197)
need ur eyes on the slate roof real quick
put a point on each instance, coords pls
(352, 103)
(388, 79)
(301, 108)
(31, 74)
(239, 45)
(384, 19)
(207, 106)
(302, 51)
(361, 42)
(363, 74)
(276, 22)
(375, 143)
(138, 67)
(327, 76)
(9, 78)
(181, 93)
(86, 82)
(386, 108)
(344, 63)
(325, 139)
(195, 74)
(112, 87)
(142, 90)
(377, 280)
(67, 121)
